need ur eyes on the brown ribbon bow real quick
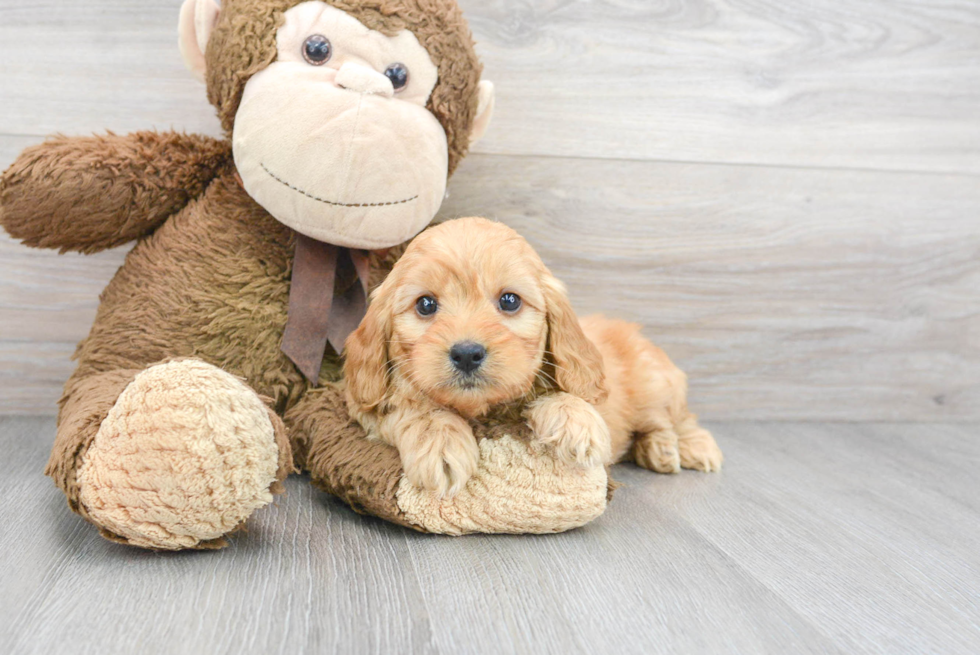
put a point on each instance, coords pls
(327, 300)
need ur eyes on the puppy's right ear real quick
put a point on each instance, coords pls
(366, 351)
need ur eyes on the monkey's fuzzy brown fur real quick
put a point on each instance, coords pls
(211, 282)
(210, 274)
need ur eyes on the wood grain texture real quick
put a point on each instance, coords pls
(793, 285)
(784, 293)
(815, 538)
(849, 515)
(869, 84)
(875, 84)
(787, 290)
(118, 68)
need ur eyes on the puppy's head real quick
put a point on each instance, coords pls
(467, 318)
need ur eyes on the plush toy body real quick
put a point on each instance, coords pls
(185, 413)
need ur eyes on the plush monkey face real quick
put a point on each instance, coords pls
(341, 131)
(325, 142)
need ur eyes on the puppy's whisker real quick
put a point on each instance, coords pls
(392, 371)
(410, 376)
(401, 371)
(547, 376)
(397, 369)
(552, 363)
(543, 371)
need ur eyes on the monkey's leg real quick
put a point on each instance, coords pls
(340, 458)
(171, 457)
(698, 449)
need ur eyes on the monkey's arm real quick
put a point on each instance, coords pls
(92, 193)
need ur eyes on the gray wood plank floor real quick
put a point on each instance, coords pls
(830, 538)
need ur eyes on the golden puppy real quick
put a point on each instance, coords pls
(470, 319)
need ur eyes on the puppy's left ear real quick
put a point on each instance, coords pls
(578, 364)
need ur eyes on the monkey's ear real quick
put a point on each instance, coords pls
(197, 19)
(484, 111)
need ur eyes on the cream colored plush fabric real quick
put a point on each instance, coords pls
(519, 488)
(333, 151)
(197, 19)
(185, 455)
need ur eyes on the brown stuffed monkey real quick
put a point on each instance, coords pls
(212, 369)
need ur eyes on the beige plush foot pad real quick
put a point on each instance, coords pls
(185, 455)
(520, 487)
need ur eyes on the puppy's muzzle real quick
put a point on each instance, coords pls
(467, 356)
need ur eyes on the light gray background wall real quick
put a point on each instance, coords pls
(787, 198)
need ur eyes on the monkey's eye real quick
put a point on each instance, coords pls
(510, 302)
(398, 74)
(317, 49)
(426, 306)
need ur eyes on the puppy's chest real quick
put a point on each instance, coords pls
(500, 416)
(507, 418)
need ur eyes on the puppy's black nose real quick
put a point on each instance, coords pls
(467, 356)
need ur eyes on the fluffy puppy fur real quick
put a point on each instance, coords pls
(470, 319)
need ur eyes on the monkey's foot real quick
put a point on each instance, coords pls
(184, 456)
(519, 487)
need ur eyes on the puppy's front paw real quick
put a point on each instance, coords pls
(573, 427)
(445, 457)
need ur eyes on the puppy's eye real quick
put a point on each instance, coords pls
(426, 306)
(317, 49)
(398, 74)
(510, 302)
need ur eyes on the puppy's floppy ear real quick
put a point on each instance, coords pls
(366, 351)
(578, 364)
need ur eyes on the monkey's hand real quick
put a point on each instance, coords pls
(92, 193)
(572, 426)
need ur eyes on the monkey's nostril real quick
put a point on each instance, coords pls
(467, 356)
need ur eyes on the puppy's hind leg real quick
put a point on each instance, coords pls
(655, 446)
(698, 449)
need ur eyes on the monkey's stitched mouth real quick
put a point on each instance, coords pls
(331, 202)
